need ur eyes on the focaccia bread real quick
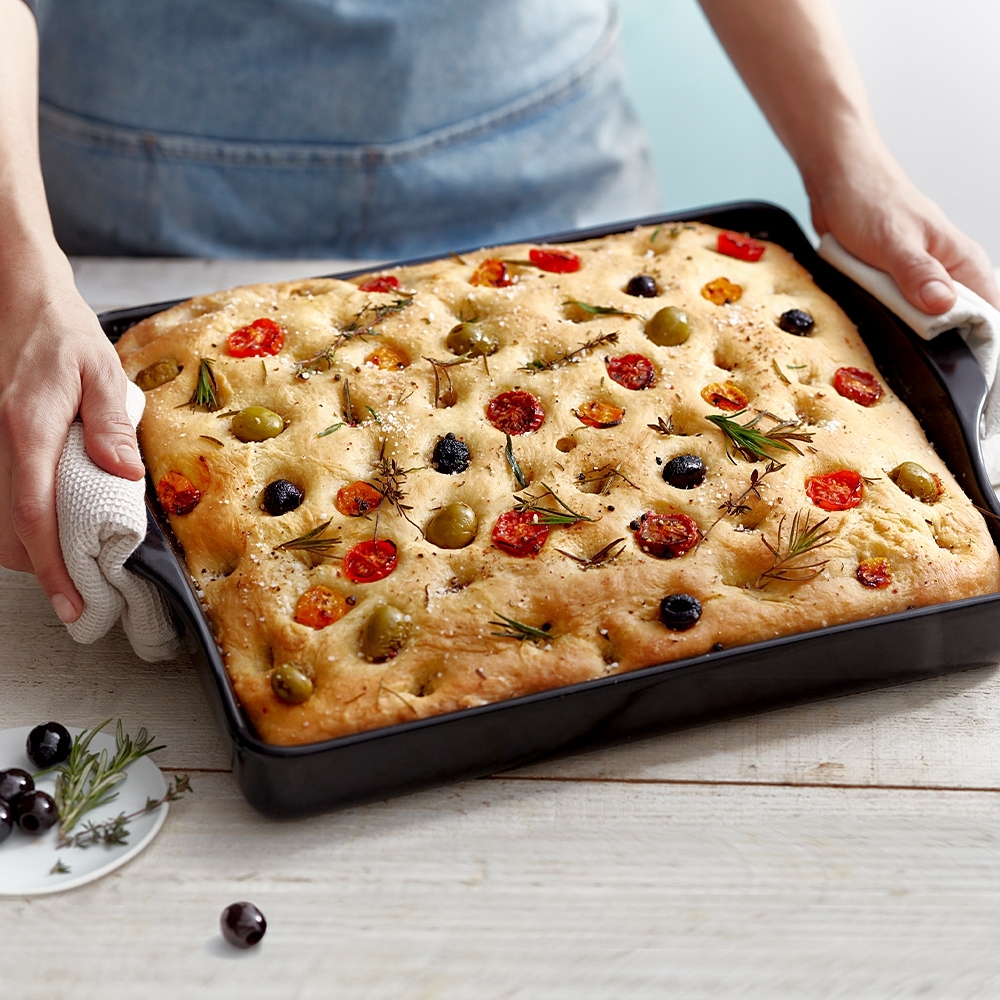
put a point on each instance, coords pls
(532, 467)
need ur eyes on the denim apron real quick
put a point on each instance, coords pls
(328, 128)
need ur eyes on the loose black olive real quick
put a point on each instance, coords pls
(679, 612)
(13, 784)
(280, 497)
(642, 286)
(684, 471)
(48, 744)
(6, 820)
(450, 455)
(242, 924)
(797, 321)
(36, 812)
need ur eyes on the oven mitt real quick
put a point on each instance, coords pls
(976, 320)
(102, 520)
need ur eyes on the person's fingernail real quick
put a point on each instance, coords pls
(64, 608)
(127, 454)
(936, 294)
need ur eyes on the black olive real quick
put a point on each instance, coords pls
(450, 455)
(797, 321)
(6, 820)
(49, 744)
(684, 471)
(280, 497)
(36, 812)
(242, 924)
(13, 784)
(642, 286)
(679, 612)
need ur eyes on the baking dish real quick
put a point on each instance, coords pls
(941, 384)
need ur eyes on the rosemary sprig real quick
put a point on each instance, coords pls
(515, 467)
(548, 515)
(87, 780)
(311, 542)
(607, 554)
(513, 629)
(206, 388)
(802, 540)
(533, 367)
(601, 310)
(442, 376)
(754, 444)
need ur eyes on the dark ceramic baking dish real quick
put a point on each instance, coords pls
(941, 384)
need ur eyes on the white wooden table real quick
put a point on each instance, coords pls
(849, 848)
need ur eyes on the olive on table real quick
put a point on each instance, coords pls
(917, 482)
(48, 744)
(13, 784)
(291, 685)
(6, 820)
(383, 635)
(452, 527)
(669, 327)
(471, 338)
(242, 924)
(36, 812)
(281, 497)
(642, 286)
(256, 423)
(797, 322)
(685, 472)
(158, 373)
(451, 455)
(679, 612)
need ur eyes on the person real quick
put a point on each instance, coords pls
(179, 127)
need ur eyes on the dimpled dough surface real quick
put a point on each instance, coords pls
(601, 620)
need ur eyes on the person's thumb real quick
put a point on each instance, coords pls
(107, 431)
(922, 279)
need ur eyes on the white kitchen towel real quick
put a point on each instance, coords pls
(102, 520)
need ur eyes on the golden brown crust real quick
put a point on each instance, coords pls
(602, 620)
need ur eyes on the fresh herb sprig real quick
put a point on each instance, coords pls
(444, 390)
(607, 476)
(206, 389)
(593, 310)
(513, 629)
(548, 515)
(664, 427)
(311, 542)
(536, 366)
(734, 507)
(515, 466)
(803, 539)
(390, 480)
(607, 554)
(754, 444)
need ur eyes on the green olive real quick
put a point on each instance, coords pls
(452, 527)
(257, 423)
(159, 373)
(383, 635)
(471, 338)
(917, 482)
(668, 327)
(291, 684)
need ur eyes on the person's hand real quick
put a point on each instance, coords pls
(55, 363)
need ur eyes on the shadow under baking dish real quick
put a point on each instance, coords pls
(939, 381)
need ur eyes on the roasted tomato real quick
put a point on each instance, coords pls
(177, 494)
(515, 412)
(370, 561)
(558, 261)
(740, 246)
(320, 606)
(859, 385)
(518, 533)
(262, 336)
(492, 273)
(874, 573)
(382, 283)
(724, 396)
(840, 490)
(595, 413)
(633, 371)
(357, 499)
(665, 536)
(388, 358)
(722, 291)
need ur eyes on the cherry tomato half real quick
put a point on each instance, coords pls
(722, 291)
(518, 533)
(382, 283)
(357, 499)
(177, 494)
(858, 385)
(370, 561)
(725, 396)
(515, 412)
(595, 413)
(874, 573)
(740, 246)
(320, 606)
(840, 490)
(665, 536)
(492, 273)
(388, 358)
(262, 336)
(557, 261)
(633, 371)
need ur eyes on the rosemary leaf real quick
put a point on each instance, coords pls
(208, 437)
(664, 427)
(779, 372)
(331, 429)
(513, 629)
(374, 415)
(513, 463)
(601, 310)
(59, 868)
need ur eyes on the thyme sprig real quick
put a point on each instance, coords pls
(515, 466)
(607, 554)
(587, 307)
(753, 444)
(803, 539)
(206, 388)
(311, 542)
(664, 427)
(513, 629)
(548, 515)
(735, 507)
(606, 474)
(537, 365)
(442, 376)
(390, 480)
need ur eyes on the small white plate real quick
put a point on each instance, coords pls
(26, 862)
